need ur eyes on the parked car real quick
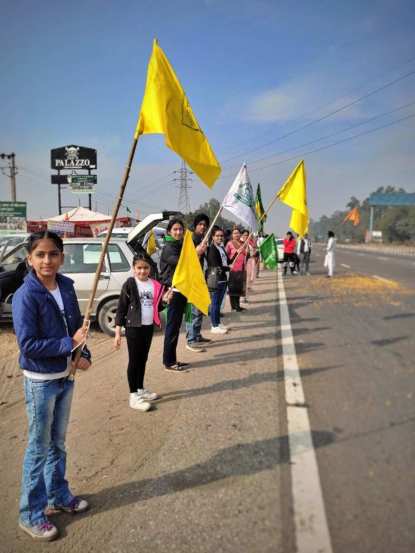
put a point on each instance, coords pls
(9, 241)
(81, 259)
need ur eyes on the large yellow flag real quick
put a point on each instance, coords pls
(294, 193)
(166, 110)
(188, 277)
(298, 222)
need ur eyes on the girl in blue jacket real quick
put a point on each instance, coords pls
(48, 326)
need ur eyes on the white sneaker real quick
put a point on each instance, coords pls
(147, 395)
(139, 403)
(218, 330)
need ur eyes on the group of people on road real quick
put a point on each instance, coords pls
(50, 333)
(297, 254)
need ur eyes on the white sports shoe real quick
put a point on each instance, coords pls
(224, 327)
(147, 395)
(139, 403)
(218, 330)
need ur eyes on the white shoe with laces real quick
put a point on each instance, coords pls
(218, 330)
(138, 403)
(147, 395)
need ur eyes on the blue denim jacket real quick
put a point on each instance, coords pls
(39, 326)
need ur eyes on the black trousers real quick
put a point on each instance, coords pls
(138, 343)
(235, 302)
(175, 313)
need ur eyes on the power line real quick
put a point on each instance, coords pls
(336, 143)
(335, 133)
(326, 116)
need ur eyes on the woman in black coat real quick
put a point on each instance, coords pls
(217, 279)
(177, 302)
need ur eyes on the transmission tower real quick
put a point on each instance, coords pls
(183, 179)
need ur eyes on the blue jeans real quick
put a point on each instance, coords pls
(194, 329)
(48, 405)
(217, 298)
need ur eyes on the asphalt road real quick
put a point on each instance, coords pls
(225, 462)
(355, 345)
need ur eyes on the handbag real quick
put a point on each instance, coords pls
(212, 278)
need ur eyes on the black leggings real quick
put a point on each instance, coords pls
(175, 313)
(235, 302)
(138, 343)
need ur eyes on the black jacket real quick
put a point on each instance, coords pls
(214, 261)
(168, 260)
(129, 305)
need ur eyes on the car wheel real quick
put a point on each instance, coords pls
(106, 317)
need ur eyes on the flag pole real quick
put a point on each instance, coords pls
(88, 309)
(206, 237)
(251, 233)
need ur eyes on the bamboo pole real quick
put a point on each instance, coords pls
(206, 237)
(88, 309)
(251, 233)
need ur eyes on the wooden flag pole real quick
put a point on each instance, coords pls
(88, 310)
(206, 237)
(251, 233)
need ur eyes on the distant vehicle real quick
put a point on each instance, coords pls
(9, 241)
(280, 248)
(117, 232)
(81, 259)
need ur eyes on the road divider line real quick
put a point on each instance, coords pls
(311, 528)
(345, 266)
(388, 280)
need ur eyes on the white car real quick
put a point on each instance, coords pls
(81, 259)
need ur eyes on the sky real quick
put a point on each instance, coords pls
(270, 82)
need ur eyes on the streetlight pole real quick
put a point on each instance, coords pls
(13, 172)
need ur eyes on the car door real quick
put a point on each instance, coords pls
(81, 260)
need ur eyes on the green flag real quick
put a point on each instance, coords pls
(268, 251)
(259, 210)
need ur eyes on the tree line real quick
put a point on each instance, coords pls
(396, 223)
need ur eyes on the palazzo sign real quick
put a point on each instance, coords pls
(73, 157)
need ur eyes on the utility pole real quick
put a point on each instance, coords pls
(183, 185)
(12, 173)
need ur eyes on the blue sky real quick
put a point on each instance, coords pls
(254, 72)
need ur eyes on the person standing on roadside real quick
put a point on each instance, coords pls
(289, 253)
(329, 260)
(304, 254)
(138, 312)
(237, 276)
(194, 338)
(170, 254)
(48, 327)
(217, 280)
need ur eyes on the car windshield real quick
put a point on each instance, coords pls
(14, 257)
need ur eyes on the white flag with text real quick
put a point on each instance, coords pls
(240, 199)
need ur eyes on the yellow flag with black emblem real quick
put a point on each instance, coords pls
(166, 110)
(188, 277)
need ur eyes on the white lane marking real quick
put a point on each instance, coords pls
(382, 258)
(345, 266)
(311, 529)
(388, 280)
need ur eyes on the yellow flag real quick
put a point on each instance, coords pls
(166, 110)
(298, 222)
(188, 277)
(294, 193)
(151, 243)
